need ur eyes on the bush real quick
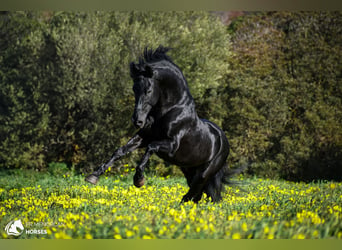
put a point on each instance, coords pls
(284, 94)
(271, 80)
(23, 117)
(58, 169)
(66, 91)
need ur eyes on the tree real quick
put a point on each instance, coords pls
(78, 82)
(285, 94)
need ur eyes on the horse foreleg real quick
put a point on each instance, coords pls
(139, 179)
(165, 146)
(132, 144)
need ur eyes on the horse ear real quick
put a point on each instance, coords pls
(134, 71)
(148, 72)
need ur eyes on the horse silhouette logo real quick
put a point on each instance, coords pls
(13, 226)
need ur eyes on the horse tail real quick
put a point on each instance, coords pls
(215, 185)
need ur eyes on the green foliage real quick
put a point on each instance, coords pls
(66, 91)
(271, 80)
(57, 169)
(285, 94)
(23, 117)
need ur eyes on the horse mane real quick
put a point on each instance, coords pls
(150, 56)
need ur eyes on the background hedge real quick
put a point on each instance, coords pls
(271, 80)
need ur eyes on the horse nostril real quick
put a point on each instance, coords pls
(139, 123)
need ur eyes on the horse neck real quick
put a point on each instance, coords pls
(173, 86)
(175, 94)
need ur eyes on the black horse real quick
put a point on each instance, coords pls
(169, 126)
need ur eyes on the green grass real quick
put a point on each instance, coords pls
(65, 206)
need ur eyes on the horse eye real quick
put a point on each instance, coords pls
(149, 91)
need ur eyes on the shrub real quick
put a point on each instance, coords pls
(66, 85)
(284, 94)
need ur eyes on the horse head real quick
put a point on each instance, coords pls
(146, 92)
(157, 80)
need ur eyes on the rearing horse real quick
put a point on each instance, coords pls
(169, 127)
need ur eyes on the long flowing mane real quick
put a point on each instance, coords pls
(151, 56)
(156, 59)
(159, 60)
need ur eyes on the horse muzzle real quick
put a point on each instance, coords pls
(138, 122)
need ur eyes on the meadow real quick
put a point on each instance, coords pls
(66, 207)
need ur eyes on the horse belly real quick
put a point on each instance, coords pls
(192, 151)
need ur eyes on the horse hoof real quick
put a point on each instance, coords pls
(139, 183)
(92, 179)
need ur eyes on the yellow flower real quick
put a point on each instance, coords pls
(99, 221)
(244, 227)
(62, 235)
(88, 236)
(187, 228)
(129, 233)
(270, 236)
(337, 208)
(263, 207)
(315, 233)
(316, 220)
(236, 236)
(339, 235)
(211, 227)
(299, 237)
(117, 236)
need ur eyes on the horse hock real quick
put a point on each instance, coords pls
(92, 179)
(139, 181)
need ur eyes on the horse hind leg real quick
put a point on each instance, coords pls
(215, 184)
(198, 183)
(190, 175)
(209, 181)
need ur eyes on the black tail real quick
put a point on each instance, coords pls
(215, 185)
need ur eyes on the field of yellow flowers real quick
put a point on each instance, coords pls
(66, 207)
